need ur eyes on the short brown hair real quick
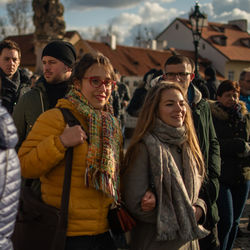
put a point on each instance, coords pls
(228, 85)
(9, 44)
(243, 73)
(179, 59)
(87, 61)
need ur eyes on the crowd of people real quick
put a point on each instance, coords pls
(184, 177)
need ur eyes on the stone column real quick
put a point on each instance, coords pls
(49, 25)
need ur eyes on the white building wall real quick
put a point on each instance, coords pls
(218, 60)
(180, 38)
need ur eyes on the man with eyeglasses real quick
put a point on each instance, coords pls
(180, 69)
(244, 82)
(58, 59)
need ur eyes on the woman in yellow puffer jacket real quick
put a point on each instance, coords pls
(96, 156)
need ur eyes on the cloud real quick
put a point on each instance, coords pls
(149, 22)
(86, 4)
(150, 17)
(123, 24)
(167, 1)
(3, 2)
(226, 10)
(234, 15)
(221, 6)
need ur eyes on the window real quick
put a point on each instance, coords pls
(231, 75)
(220, 40)
(203, 46)
(245, 42)
(177, 26)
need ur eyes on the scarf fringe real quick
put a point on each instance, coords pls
(103, 182)
(199, 233)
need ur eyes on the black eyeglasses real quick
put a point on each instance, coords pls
(96, 82)
(180, 75)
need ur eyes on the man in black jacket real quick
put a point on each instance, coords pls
(13, 80)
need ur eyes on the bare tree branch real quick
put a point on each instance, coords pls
(19, 15)
(2, 28)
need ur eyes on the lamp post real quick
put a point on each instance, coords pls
(197, 21)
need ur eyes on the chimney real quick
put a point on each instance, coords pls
(153, 44)
(110, 40)
(162, 44)
(241, 23)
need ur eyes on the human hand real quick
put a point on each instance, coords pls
(125, 103)
(198, 212)
(246, 153)
(148, 201)
(73, 136)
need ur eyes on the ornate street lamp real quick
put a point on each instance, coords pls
(197, 21)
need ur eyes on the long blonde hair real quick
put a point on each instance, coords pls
(147, 120)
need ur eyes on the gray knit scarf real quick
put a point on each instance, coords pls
(175, 193)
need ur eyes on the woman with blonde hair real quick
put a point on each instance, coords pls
(96, 156)
(163, 172)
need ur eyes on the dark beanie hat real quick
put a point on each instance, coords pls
(62, 51)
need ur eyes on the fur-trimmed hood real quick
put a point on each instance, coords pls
(221, 114)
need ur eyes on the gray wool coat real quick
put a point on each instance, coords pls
(136, 181)
(10, 178)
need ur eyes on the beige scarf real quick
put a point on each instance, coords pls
(175, 193)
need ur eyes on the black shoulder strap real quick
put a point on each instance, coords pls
(63, 221)
(69, 117)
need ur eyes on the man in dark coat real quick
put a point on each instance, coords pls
(58, 59)
(13, 80)
(211, 82)
(244, 82)
(180, 69)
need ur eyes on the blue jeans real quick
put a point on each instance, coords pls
(90, 242)
(231, 202)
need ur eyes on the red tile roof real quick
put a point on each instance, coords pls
(129, 61)
(234, 49)
(132, 60)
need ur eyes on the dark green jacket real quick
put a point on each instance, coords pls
(211, 152)
(233, 137)
(28, 109)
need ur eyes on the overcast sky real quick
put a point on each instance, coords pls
(128, 17)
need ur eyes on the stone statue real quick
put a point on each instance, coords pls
(48, 19)
(49, 25)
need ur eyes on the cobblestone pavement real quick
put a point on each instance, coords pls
(243, 243)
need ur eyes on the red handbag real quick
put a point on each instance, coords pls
(120, 221)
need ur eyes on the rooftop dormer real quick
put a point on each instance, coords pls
(219, 39)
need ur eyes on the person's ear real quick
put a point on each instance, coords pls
(19, 61)
(77, 84)
(67, 69)
(192, 75)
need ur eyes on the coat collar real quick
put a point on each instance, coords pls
(221, 114)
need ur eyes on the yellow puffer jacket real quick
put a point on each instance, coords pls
(42, 156)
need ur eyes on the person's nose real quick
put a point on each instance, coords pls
(46, 67)
(103, 87)
(178, 107)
